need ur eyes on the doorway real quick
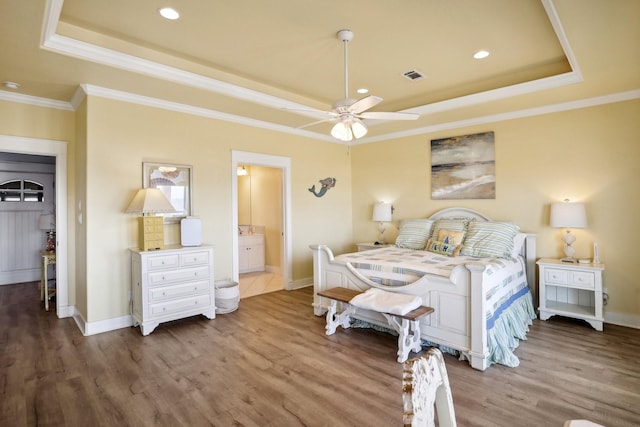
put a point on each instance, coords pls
(57, 149)
(283, 166)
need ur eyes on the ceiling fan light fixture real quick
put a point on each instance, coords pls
(349, 129)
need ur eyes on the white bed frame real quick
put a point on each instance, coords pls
(459, 318)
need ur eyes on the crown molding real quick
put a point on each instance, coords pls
(35, 101)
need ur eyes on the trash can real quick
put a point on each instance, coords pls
(227, 296)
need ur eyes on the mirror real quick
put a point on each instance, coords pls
(244, 200)
(175, 182)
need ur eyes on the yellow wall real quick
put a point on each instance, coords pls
(121, 136)
(266, 208)
(588, 155)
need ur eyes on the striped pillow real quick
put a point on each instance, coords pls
(414, 233)
(448, 224)
(489, 239)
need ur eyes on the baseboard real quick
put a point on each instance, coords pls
(101, 326)
(628, 320)
(299, 284)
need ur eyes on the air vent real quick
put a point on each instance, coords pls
(414, 75)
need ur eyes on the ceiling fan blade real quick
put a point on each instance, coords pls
(316, 123)
(380, 115)
(364, 104)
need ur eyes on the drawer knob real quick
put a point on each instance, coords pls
(163, 294)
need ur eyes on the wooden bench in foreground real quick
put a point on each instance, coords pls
(407, 326)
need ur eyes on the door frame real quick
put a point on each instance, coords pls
(57, 149)
(267, 160)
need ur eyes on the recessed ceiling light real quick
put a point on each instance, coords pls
(363, 90)
(481, 54)
(11, 85)
(169, 13)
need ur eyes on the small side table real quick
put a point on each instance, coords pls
(371, 245)
(48, 258)
(571, 290)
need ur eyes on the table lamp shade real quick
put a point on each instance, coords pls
(382, 212)
(47, 222)
(149, 201)
(568, 215)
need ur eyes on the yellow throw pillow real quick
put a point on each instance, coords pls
(451, 237)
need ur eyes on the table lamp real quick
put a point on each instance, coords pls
(48, 222)
(568, 215)
(382, 212)
(148, 202)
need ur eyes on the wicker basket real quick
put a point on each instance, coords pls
(227, 297)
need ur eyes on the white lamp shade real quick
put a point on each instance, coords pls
(150, 201)
(348, 129)
(382, 212)
(47, 222)
(568, 215)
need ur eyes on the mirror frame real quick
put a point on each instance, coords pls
(174, 174)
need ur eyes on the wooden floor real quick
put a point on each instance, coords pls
(270, 364)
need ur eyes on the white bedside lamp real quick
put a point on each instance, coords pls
(382, 212)
(568, 215)
(150, 201)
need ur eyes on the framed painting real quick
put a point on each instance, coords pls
(175, 181)
(463, 167)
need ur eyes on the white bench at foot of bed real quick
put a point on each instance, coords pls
(407, 325)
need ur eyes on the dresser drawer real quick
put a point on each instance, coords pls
(175, 306)
(556, 275)
(161, 262)
(194, 258)
(181, 275)
(178, 291)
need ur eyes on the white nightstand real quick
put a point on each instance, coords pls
(571, 290)
(370, 245)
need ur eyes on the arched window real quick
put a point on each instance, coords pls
(21, 191)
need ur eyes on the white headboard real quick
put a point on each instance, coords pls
(459, 213)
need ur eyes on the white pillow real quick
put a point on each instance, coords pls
(518, 243)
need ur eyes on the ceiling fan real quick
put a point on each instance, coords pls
(348, 112)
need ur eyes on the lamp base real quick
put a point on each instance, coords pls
(150, 233)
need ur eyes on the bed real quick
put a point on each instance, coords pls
(483, 303)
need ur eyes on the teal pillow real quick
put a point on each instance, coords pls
(489, 239)
(414, 233)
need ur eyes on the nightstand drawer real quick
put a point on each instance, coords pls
(583, 279)
(555, 275)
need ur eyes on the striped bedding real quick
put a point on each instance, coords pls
(509, 303)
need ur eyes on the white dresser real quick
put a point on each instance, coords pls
(171, 284)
